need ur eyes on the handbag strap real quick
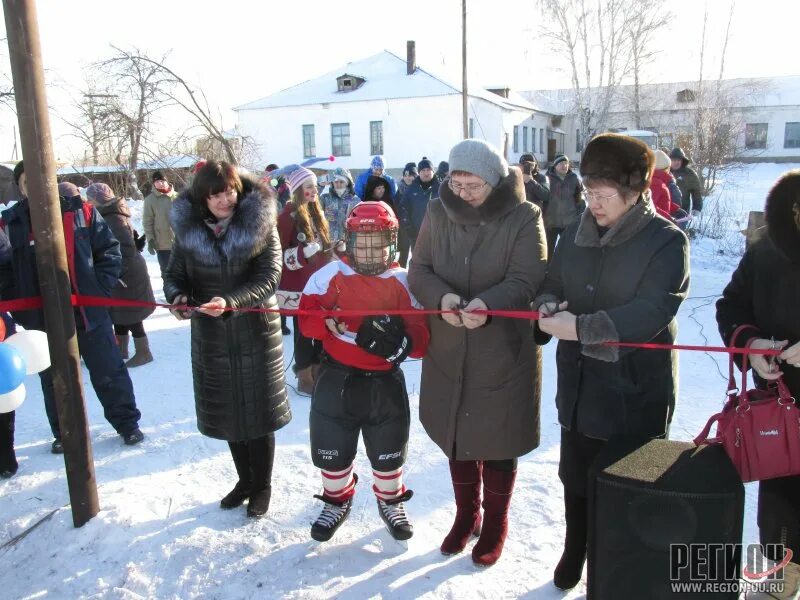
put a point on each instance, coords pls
(702, 437)
(732, 344)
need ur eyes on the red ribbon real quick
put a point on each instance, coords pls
(528, 315)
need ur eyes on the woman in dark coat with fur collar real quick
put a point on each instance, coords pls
(618, 275)
(765, 292)
(227, 255)
(481, 245)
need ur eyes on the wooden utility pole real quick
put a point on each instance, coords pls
(464, 103)
(51, 260)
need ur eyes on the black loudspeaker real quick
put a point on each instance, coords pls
(644, 499)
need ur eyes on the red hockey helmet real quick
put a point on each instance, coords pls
(372, 231)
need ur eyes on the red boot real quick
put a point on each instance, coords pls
(466, 477)
(497, 488)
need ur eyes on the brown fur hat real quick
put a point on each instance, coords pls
(619, 159)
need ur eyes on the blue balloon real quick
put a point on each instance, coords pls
(12, 368)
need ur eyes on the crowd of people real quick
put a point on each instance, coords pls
(601, 255)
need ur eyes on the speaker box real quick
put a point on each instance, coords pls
(643, 499)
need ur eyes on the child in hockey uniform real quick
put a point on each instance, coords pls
(360, 386)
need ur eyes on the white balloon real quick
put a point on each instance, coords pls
(12, 399)
(32, 344)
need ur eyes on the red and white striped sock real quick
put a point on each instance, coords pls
(338, 485)
(388, 484)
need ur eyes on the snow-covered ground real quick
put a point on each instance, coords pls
(161, 534)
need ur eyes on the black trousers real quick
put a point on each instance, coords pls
(253, 460)
(136, 330)
(307, 351)
(8, 461)
(552, 233)
(347, 402)
(779, 513)
(403, 246)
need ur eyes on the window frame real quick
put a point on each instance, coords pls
(312, 146)
(341, 136)
(796, 139)
(375, 137)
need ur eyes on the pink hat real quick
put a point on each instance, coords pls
(298, 177)
(100, 193)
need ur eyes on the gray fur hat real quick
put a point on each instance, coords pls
(479, 158)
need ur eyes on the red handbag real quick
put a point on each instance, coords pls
(759, 429)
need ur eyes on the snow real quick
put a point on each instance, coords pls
(161, 534)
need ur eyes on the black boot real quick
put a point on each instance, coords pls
(262, 456)
(570, 568)
(285, 328)
(8, 459)
(241, 491)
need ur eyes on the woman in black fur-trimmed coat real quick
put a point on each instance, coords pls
(227, 255)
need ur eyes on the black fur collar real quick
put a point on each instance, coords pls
(509, 193)
(629, 224)
(782, 214)
(247, 235)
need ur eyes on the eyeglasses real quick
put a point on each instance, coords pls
(592, 196)
(472, 188)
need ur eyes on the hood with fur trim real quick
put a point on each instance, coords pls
(247, 235)
(508, 194)
(782, 213)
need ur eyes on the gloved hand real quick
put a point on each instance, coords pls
(311, 249)
(151, 246)
(139, 241)
(384, 336)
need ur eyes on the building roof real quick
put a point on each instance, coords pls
(385, 78)
(178, 161)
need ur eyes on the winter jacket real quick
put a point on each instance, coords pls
(659, 193)
(413, 204)
(690, 186)
(336, 209)
(237, 359)
(480, 389)
(764, 290)
(97, 262)
(625, 286)
(373, 182)
(134, 280)
(537, 191)
(296, 267)
(155, 219)
(566, 200)
(361, 183)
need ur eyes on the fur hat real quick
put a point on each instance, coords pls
(100, 193)
(662, 160)
(782, 214)
(479, 158)
(377, 163)
(19, 169)
(68, 190)
(621, 159)
(298, 177)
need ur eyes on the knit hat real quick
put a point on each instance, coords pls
(425, 163)
(559, 159)
(527, 157)
(662, 160)
(100, 193)
(19, 169)
(377, 163)
(410, 169)
(159, 175)
(298, 177)
(68, 190)
(341, 174)
(479, 158)
(620, 159)
(444, 167)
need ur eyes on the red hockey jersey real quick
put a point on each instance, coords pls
(338, 286)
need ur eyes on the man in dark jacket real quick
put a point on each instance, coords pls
(95, 264)
(537, 188)
(403, 243)
(688, 182)
(414, 202)
(566, 201)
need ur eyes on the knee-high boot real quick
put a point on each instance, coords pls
(262, 457)
(497, 489)
(466, 478)
(8, 458)
(570, 568)
(241, 491)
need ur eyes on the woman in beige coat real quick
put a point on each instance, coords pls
(481, 245)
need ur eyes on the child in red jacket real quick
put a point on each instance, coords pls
(360, 387)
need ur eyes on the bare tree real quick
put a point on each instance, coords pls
(96, 122)
(640, 31)
(138, 90)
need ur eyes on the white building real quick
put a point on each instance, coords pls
(386, 105)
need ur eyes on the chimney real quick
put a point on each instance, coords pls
(411, 57)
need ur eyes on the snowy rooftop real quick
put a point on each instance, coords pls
(177, 161)
(385, 78)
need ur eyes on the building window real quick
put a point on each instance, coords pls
(309, 147)
(516, 138)
(524, 139)
(375, 137)
(471, 127)
(542, 149)
(533, 140)
(340, 139)
(686, 96)
(791, 137)
(755, 136)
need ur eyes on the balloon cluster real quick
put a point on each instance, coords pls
(24, 353)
